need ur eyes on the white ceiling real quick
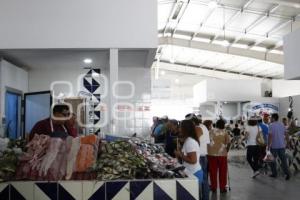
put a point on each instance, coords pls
(38, 59)
(256, 27)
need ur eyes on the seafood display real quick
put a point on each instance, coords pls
(47, 158)
(9, 152)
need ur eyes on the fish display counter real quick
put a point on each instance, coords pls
(90, 168)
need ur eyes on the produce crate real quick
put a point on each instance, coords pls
(175, 189)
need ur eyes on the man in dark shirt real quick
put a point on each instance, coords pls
(55, 123)
(237, 133)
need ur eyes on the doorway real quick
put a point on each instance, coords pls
(13, 114)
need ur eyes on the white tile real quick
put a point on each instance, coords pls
(147, 194)
(123, 194)
(74, 188)
(168, 186)
(90, 187)
(25, 188)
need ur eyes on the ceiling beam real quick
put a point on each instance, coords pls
(186, 4)
(255, 24)
(232, 18)
(251, 11)
(221, 49)
(274, 30)
(208, 14)
(206, 71)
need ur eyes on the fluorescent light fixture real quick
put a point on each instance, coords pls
(276, 52)
(87, 61)
(201, 39)
(212, 4)
(242, 46)
(162, 73)
(176, 80)
(256, 48)
(225, 43)
(185, 37)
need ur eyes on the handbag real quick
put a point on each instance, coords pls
(259, 138)
(269, 157)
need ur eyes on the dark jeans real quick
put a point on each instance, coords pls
(205, 186)
(281, 154)
(253, 154)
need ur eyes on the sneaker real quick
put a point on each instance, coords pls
(255, 174)
(287, 177)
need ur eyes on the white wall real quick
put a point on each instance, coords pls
(78, 24)
(291, 48)
(285, 88)
(12, 77)
(233, 90)
(230, 110)
(284, 106)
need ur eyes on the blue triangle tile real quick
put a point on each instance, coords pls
(97, 131)
(89, 72)
(159, 193)
(94, 88)
(15, 195)
(137, 187)
(113, 188)
(98, 71)
(50, 189)
(97, 113)
(87, 85)
(96, 121)
(99, 194)
(98, 97)
(64, 194)
(4, 194)
(182, 193)
(95, 83)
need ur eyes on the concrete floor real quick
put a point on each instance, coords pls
(243, 187)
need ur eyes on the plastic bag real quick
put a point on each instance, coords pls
(269, 157)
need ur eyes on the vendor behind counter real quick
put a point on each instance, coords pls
(56, 123)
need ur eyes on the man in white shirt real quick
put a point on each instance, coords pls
(204, 141)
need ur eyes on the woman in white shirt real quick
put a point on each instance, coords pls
(253, 150)
(190, 152)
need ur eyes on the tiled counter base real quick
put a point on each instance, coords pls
(175, 189)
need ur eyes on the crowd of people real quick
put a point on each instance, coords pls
(203, 146)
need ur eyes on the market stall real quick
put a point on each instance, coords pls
(90, 168)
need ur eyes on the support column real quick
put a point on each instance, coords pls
(113, 78)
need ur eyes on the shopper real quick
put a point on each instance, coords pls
(253, 149)
(171, 136)
(263, 148)
(54, 125)
(237, 134)
(190, 152)
(217, 156)
(203, 135)
(208, 124)
(159, 132)
(277, 145)
(285, 122)
(204, 142)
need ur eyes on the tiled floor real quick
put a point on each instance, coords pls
(243, 187)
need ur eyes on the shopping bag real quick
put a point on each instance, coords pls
(269, 157)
